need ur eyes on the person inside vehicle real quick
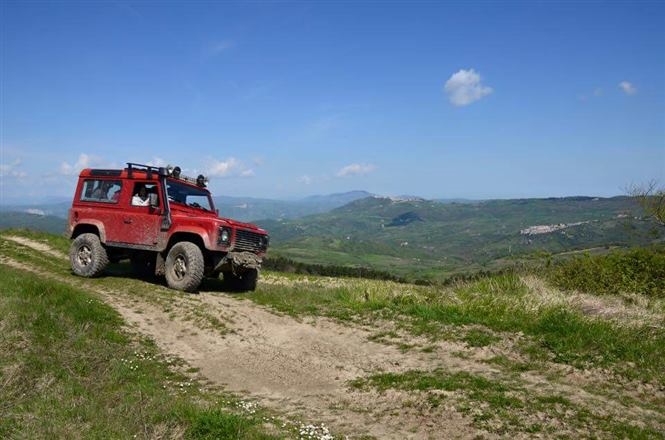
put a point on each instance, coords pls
(141, 197)
(102, 191)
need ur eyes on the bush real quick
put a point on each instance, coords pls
(640, 270)
(282, 264)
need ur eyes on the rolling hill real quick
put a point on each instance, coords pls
(36, 222)
(431, 239)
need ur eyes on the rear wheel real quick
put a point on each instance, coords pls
(87, 256)
(244, 282)
(184, 267)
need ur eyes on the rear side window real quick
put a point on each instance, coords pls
(105, 191)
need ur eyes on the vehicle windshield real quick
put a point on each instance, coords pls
(188, 195)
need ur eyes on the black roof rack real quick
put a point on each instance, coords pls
(100, 172)
(149, 169)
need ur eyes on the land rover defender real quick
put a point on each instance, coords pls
(165, 224)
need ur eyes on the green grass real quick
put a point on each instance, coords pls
(492, 306)
(68, 370)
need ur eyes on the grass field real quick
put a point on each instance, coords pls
(523, 356)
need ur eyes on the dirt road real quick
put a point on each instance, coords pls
(300, 368)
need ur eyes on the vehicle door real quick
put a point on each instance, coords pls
(141, 222)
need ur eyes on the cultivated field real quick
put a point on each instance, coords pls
(315, 357)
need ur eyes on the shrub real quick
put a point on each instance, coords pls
(640, 270)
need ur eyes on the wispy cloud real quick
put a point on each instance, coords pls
(464, 87)
(157, 162)
(628, 88)
(12, 169)
(219, 47)
(222, 168)
(84, 161)
(230, 167)
(305, 179)
(355, 169)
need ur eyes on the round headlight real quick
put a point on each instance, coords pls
(225, 236)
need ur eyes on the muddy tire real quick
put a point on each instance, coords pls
(184, 267)
(245, 282)
(87, 256)
(143, 264)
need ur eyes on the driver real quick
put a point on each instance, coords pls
(141, 197)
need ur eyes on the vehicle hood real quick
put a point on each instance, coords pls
(201, 215)
(237, 224)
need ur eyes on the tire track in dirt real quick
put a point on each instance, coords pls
(296, 368)
(36, 245)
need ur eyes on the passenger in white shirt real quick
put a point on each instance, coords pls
(141, 198)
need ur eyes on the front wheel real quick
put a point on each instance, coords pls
(184, 267)
(87, 256)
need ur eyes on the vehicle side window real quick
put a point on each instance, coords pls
(97, 190)
(141, 193)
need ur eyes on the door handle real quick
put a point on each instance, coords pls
(128, 220)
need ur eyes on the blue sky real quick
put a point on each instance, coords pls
(287, 99)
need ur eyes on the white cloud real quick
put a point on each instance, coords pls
(222, 168)
(355, 169)
(306, 180)
(230, 167)
(157, 162)
(11, 169)
(627, 87)
(464, 87)
(84, 161)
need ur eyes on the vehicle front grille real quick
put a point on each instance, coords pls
(250, 241)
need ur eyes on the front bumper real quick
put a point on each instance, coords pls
(238, 262)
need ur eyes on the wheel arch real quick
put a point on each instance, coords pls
(92, 227)
(192, 237)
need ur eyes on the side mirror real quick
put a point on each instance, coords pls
(154, 200)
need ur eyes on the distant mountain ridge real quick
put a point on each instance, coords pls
(250, 209)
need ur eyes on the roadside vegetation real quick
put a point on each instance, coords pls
(638, 271)
(555, 326)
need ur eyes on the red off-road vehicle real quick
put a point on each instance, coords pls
(166, 224)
